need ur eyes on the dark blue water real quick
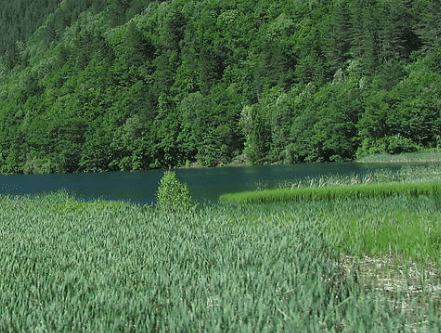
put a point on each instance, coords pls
(206, 184)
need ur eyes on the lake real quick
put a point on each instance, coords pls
(205, 184)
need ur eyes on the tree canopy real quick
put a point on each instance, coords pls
(138, 84)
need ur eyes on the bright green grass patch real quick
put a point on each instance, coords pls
(348, 191)
(400, 227)
(404, 228)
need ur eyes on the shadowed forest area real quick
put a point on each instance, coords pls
(137, 84)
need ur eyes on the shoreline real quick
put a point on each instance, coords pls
(400, 161)
(416, 157)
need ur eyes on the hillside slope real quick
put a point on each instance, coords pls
(137, 84)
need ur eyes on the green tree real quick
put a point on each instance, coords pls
(364, 37)
(338, 37)
(428, 26)
(173, 196)
(257, 133)
(133, 84)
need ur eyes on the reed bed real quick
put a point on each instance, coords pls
(415, 157)
(391, 244)
(112, 267)
(408, 173)
(333, 192)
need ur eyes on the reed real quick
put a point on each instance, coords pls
(415, 157)
(408, 173)
(105, 267)
(347, 191)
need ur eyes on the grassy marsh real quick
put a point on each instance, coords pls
(332, 193)
(343, 265)
(420, 157)
(408, 173)
(410, 179)
(120, 269)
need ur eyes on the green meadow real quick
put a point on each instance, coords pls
(346, 264)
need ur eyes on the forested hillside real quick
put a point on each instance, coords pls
(97, 85)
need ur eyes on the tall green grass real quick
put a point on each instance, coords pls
(334, 192)
(408, 173)
(97, 267)
(402, 227)
(406, 227)
(416, 157)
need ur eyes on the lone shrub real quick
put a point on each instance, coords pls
(173, 196)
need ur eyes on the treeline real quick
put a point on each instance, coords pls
(138, 84)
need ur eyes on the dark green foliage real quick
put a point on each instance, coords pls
(138, 84)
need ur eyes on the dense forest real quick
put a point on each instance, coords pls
(101, 85)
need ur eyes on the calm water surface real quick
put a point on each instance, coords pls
(205, 184)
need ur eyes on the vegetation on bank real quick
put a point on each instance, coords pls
(425, 156)
(344, 265)
(136, 84)
(256, 268)
(334, 192)
(412, 179)
(379, 214)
